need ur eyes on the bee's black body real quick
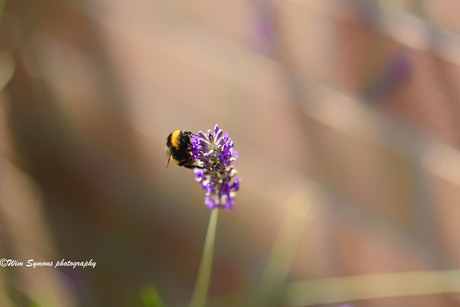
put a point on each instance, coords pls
(178, 143)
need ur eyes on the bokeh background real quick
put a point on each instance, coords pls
(346, 116)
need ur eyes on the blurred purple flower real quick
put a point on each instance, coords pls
(264, 26)
(213, 151)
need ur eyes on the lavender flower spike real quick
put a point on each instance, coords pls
(213, 152)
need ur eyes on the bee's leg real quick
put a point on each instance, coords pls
(187, 164)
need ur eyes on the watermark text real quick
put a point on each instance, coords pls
(31, 263)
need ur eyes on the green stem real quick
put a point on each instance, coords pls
(204, 273)
(2, 7)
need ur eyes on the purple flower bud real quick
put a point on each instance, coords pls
(219, 134)
(236, 184)
(202, 136)
(199, 175)
(225, 158)
(229, 204)
(225, 189)
(208, 201)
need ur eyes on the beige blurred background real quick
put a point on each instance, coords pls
(345, 115)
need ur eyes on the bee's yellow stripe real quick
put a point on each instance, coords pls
(175, 139)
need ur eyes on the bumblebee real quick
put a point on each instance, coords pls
(178, 148)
